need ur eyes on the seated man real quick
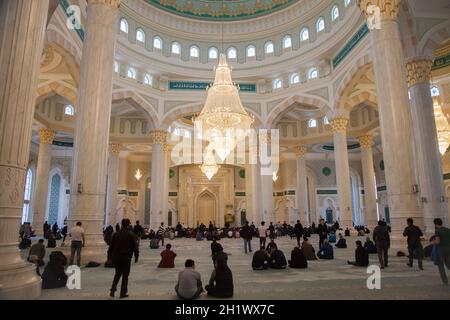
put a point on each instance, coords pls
(308, 250)
(326, 252)
(167, 258)
(342, 243)
(38, 250)
(369, 246)
(54, 275)
(347, 232)
(298, 259)
(189, 284)
(154, 243)
(260, 259)
(361, 256)
(271, 247)
(221, 281)
(277, 259)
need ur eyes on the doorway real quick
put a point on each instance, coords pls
(206, 208)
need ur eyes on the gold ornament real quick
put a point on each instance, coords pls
(46, 136)
(388, 8)
(114, 148)
(418, 71)
(365, 141)
(300, 151)
(339, 125)
(158, 137)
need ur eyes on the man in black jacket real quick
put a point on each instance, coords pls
(382, 242)
(413, 233)
(298, 230)
(361, 256)
(246, 234)
(323, 232)
(123, 245)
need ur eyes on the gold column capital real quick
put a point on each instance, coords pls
(166, 147)
(388, 8)
(418, 71)
(158, 137)
(115, 148)
(339, 125)
(300, 151)
(365, 141)
(112, 3)
(46, 136)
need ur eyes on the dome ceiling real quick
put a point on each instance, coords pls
(221, 9)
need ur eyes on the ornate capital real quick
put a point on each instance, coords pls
(46, 136)
(418, 71)
(166, 148)
(365, 141)
(300, 151)
(158, 137)
(388, 8)
(115, 148)
(112, 3)
(339, 125)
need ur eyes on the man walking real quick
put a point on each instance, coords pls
(121, 249)
(160, 233)
(413, 234)
(246, 234)
(262, 234)
(443, 244)
(298, 230)
(382, 241)
(78, 241)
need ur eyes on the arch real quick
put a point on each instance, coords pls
(320, 24)
(175, 48)
(124, 25)
(57, 198)
(59, 41)
(250, 51)
(269, 47)
(140, 103)
(56, 88)
(209, 193)
(334, 13)
(194, 51)
(213, 53)
(304, 34)
(157, 43)
(355, 193)
(329, 202)
(140, 35)
(28, 195)
(433, 38)
(232, 53)
(287, 41)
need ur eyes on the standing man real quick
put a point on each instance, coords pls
(138, 230)
(78, 241)
(322, 229)
(382, 241)
(443, 243)
(413, 233)
(160, 233)
(298, 230)
(246, 234)
(262, 234)
(123, 245)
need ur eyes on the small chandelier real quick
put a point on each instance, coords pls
(209, 166)
(274, 176)
(223, 122)
(138, 174)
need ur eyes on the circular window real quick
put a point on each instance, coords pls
(326, 171)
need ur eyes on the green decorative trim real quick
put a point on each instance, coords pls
(290, 192)
(382, 165)
(441, 62)
(326, 171)
(381, 188)
(132, 194)
(171, 173)
(202, 86)
(242, 173)
(329, 147)
(212, 9)
(62, 144)
(278, 194)
(239, 194)
(121, 192)
(65, 4)
(446, 176)
(323, 191)
(173, 194)
(350, 45)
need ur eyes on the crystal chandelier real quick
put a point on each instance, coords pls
(138, 174)
(223, 122)
(209, 166)
(443, 128)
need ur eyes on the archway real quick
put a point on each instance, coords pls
(206, 208)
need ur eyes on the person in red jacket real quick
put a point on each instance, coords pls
(167, 258)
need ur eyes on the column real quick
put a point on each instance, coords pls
(428, 158)
(339, 128)
(166, 149)
(89, 168)
(267, 200)
(252, 195)
(370, 192)
(22, 32)
(158, 200)
(395, 124)
(302, 187)
(266, 182)
(113, 178)
(46, 137)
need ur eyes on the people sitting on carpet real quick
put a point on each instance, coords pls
(167, 258)
(326, 252)
(369, 246)
(298, 260)
(308, 250)
(342, 243)
(277, 259)
(51, 242)
(37, 250)
(361, 256)
(189, 284)
(221, 281)
(54, 275)
(347, 232)
(260, 259)
(361, 233)
(271, 247)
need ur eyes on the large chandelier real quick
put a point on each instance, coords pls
(223, 122)
(443, 128)
(209, 166)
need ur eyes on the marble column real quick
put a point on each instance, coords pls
(267, 199)
(158, 202)
(339, 128)
(113, 178)
(302, 187)
(22, 33)
(370, 192)
(395, 118)
(252, 195)
(428, 158)
(266, 179)
(89, 167)
(46, 137)
(166, 150)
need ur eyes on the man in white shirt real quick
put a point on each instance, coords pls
(189, 284)
(77, 237)
(262, 234)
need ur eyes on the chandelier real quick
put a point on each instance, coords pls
(209, 166)
(223, 122)
(443, 128)
(138, 174)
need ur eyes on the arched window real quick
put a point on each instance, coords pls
(148, 79)
(304, 34)
(295, 78)
(116, 67)
(326, 120)
(269, 47)
(140, 35)
(213, 53)
(194, 52)
(312, 74)
(251, 51)
(277, 84)
(53, 204)
(346, 3)
(157, 43)
(131, 73)
(69, 110)
(232, 53)
(176, 48)
(27, 196)
(435, 92)
(334, 13)
(312, 123)
(287, 42)
(320, 25)
(124, 25)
